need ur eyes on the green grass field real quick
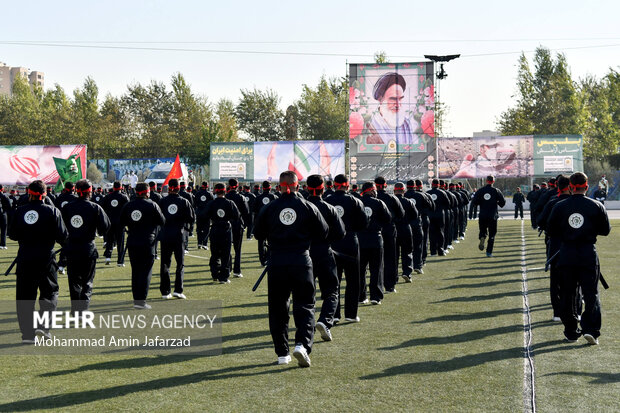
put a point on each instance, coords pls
(450, 341)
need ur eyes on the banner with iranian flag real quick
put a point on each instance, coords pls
(20, 165)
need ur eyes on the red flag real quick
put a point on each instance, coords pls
(175, 172)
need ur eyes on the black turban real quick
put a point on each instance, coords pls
(385, 82)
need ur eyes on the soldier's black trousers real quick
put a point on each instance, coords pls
(371, 258)
(324, 269)
(237, 239)
(81, 275)
(32, 277)
(488, 226)
(3, 227)
(348, 262)
(390, 260)
(282, 282)
(418, 247)
(572, 277)
(518, 210)
(116, 236)
(141, 259)
(263, 251)
(167, 250)
(404, 249)
(435, 233)
(202, 231)
(221, 244)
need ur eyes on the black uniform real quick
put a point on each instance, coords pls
(518, 199)
(238, 226)
(600, 195)
(98, 199)
(473, 208)
(113, 204)
(424, 204)
(532, 197)
(142, 217)
(346, 251)
(221, 213)
(192, 201)
(251, 199)
(263, 247)
(84, 219)
(404, 234)
(437, 220)
(290, 224)
(64, 198)
(388, 232)
(203, 197)
(577, 221)
(489, 198)
(37, 227)
(371, 247)
(179, 216)
(323, 262)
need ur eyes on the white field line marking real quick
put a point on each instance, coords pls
(529, 394)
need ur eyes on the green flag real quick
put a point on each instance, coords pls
(69, 170)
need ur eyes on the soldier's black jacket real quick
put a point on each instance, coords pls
(328, 192)
(242, 205)
(64, 198)
(518, 198)
(83, 220)
(98, 198)
(113, 204)
(221, 212)
(532, 197)
(378, 215)
(541, 219)
(155, 197)
(441, 200)
(290, 224)
(576, 221)
(203, 197)
(5, 204)
(489, 198)
(544, 197)
(396, 209)
(142, 217)
(25, 198)
(422, 201)
(263, 199)
(355, 194)
(251, 199)
(179, 215)
(188, 195)
(351, 212)
(37, 227)
(411, 212)
(334, 223)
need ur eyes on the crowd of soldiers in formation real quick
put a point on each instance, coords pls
(321, 231)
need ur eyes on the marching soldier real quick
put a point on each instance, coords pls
(113, 204)
(239, 225)
(250, 200)
(371, 244)
(261, 200)
(179, 216)
(291, 224)
(5, 216)
(153, 195)
(577, 221)
(203, 197)
(347, 251)
(388, 232)
(423, 204)
(142, 217)
(404, 231)
(221, 213)
(532, 197)
(488, 198)
(323, 262)
(437, 219)
(329, 191)
(36, 227)
(518, 199)
(184, 193)
(83, 219)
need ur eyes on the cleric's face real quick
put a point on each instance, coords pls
(392, 99)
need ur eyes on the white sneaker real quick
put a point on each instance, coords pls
(450, 247)
(284, 360)
(108, 261)
(61, 270)
(157, 257)
(225, 282)
(239, 275)
(120, 265)
(375, 302)
(326, 335)
(419, 271)
(166, 297)
(179, 295)
(42, 333)
(336, 320)
(186, 252)
(142, 307)
(407, 278)
(353, 320)
(25, 341)
(590, 339)
(461, 237)
(301, 355)
(366, 301)
(556, 319)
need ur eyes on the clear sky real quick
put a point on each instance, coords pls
(489, 35)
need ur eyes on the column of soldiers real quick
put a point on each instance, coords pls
(572, 222)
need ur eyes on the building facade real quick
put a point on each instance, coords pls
(8, 75)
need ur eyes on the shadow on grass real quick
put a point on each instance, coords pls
(81, 397)
(470, 316)
(597, 378)
(489, 296)
(463, 362)
(489, 283)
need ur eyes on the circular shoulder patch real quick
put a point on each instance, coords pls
(245, 198)
(413, 201)
(172, 209)
(288, 216)
(575, 220)
(368, 211)
(434, 197)
(339, 210)
(76, 221)
(265, 200)
(203, 198)
(31, 217)
(136, 215)
(220, 213)
(114, 203)
(487, 197)
(64, 203)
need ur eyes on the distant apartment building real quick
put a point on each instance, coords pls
(8, 75)
(486, 134)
